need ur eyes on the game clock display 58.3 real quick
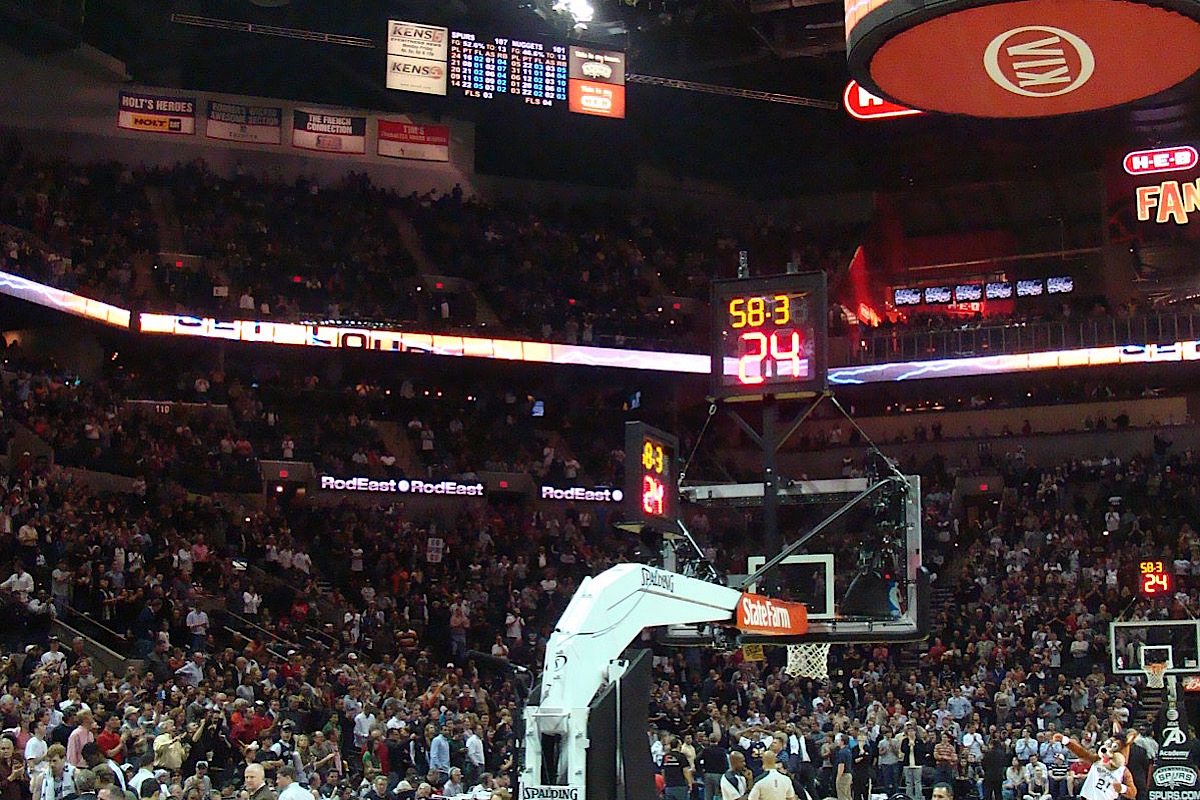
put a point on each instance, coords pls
(1153, 579)
(769, 336)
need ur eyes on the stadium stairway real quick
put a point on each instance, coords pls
(109, 649)
(170, 231)
(911, 653)
(1151, 705)
(400, 446)
(411, 239)
(170, 239)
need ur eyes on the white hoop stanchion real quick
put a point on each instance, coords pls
(808, 660)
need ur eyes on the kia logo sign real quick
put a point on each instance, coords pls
(1039, 61)
(861, 104)
(1166, 159)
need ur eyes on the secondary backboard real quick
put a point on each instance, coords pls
(1133, 644)
(871, 551)
(811, 580)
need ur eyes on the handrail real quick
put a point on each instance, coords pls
(120, 637)
(980, 338)
(94, 642)
(258, 627)
(319, 599)
(268, 648)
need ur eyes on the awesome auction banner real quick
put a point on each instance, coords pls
(149, 113)
(234, 122)
(329, 133)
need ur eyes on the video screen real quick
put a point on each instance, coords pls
(907, 297)
(999, 291)
(1063, 284)
(938, 295)
(1030, 288)
(968, 293)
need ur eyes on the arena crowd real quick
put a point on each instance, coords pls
(306, 650)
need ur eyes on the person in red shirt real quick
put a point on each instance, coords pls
(110, 741)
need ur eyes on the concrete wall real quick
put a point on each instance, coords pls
(64, 106)
(1038, 449)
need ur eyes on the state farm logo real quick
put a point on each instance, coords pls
(1039, 61)
(756, 613)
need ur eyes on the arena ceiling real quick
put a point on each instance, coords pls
(786, 46)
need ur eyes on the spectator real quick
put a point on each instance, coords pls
(677, 775)
(58, 781)
(84, 733)
(1037, 780)
(290, 789)
(255, 783)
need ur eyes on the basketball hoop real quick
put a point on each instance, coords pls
(808, 660)
(1155, 674)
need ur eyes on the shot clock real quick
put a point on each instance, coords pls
(769, 337)
(651, 477)
(1153, 579)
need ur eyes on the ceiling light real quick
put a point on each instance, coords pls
(580, 10)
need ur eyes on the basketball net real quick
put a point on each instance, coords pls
(1155, 674)
(808, 660)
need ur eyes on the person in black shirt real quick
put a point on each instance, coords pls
(397, 756)
(379, 788)
(63, 730)
(996, 760)
(677, 775)
(864, 760)
(713, 761)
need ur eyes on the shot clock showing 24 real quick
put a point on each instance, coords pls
(651, 477)
(769, 337)
(1153, 579)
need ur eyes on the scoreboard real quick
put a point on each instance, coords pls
(1154, 579)
(487, 68)
(769, 337)
(651, 478)
(430, 59)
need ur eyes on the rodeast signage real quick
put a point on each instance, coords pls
(582, 494)
(401, 486)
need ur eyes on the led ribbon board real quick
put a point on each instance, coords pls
(394, 341)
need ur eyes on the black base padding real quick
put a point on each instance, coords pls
(619, 766)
